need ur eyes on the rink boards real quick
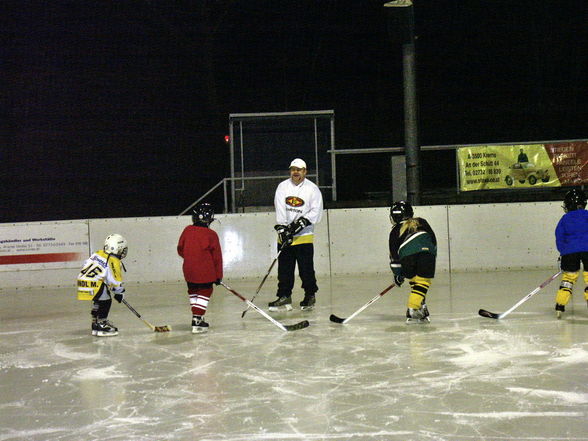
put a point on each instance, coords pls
(486, 237)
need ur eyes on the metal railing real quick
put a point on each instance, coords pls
(335, 152)
(224, 183)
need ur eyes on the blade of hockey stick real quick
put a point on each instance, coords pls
(336, 319)
(164, 328)
(489, 314)
(301, 325)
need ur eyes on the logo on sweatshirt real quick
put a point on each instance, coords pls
(294, 201)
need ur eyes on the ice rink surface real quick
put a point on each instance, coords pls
(461, 377)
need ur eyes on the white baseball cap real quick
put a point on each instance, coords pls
(298, 163)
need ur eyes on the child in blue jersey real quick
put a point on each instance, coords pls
(571, 238)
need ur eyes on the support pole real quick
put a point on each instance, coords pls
(411, 141)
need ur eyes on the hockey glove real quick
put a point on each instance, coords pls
(298, 225)
(396, 268)
(218, 281)
(119, 297)
(284, 235)
(119, 293)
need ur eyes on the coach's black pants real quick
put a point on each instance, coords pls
(302, 254)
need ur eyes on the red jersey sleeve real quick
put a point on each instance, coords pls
(217, 256)
(181, 244)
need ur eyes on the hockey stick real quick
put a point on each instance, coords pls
(263, 281)
(336, 319)
(301, 325)
(493, 315)
(164, 328)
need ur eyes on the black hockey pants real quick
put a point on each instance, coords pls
(302, 254)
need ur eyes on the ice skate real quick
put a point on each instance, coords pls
(281, 304)
(417, 316)
(559, 310)
(308, 302)
(199, 326)
(105, 329)
(94, 327)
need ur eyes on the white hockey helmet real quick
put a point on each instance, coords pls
(117, 245)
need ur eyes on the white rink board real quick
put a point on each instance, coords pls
(43, 246)
(44, 274)
(152, 245)
(359, 238)
(248, 242)
(347, 241)
(493, 237)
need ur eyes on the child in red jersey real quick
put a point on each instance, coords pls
(203, 263)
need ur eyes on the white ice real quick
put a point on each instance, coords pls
(462, 377)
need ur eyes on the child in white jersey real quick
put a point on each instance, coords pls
(100, 275)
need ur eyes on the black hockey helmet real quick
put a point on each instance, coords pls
(203, 214)
(575, 199)
(400, 211)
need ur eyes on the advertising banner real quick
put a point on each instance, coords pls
(42, 246)
(523, 165)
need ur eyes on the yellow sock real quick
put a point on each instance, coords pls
(564, 293)
(418, 293)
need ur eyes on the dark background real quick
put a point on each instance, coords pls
(119, 108)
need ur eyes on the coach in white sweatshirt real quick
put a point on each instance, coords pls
(299, 206)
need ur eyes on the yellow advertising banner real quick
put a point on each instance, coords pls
(523, 165)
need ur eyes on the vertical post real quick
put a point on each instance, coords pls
(413, 168)
(333, 161)
(398, 167)
(232, 155)
(225, 195)
(458, 180)
(242, 189)
(412, 148)
(316, 152)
